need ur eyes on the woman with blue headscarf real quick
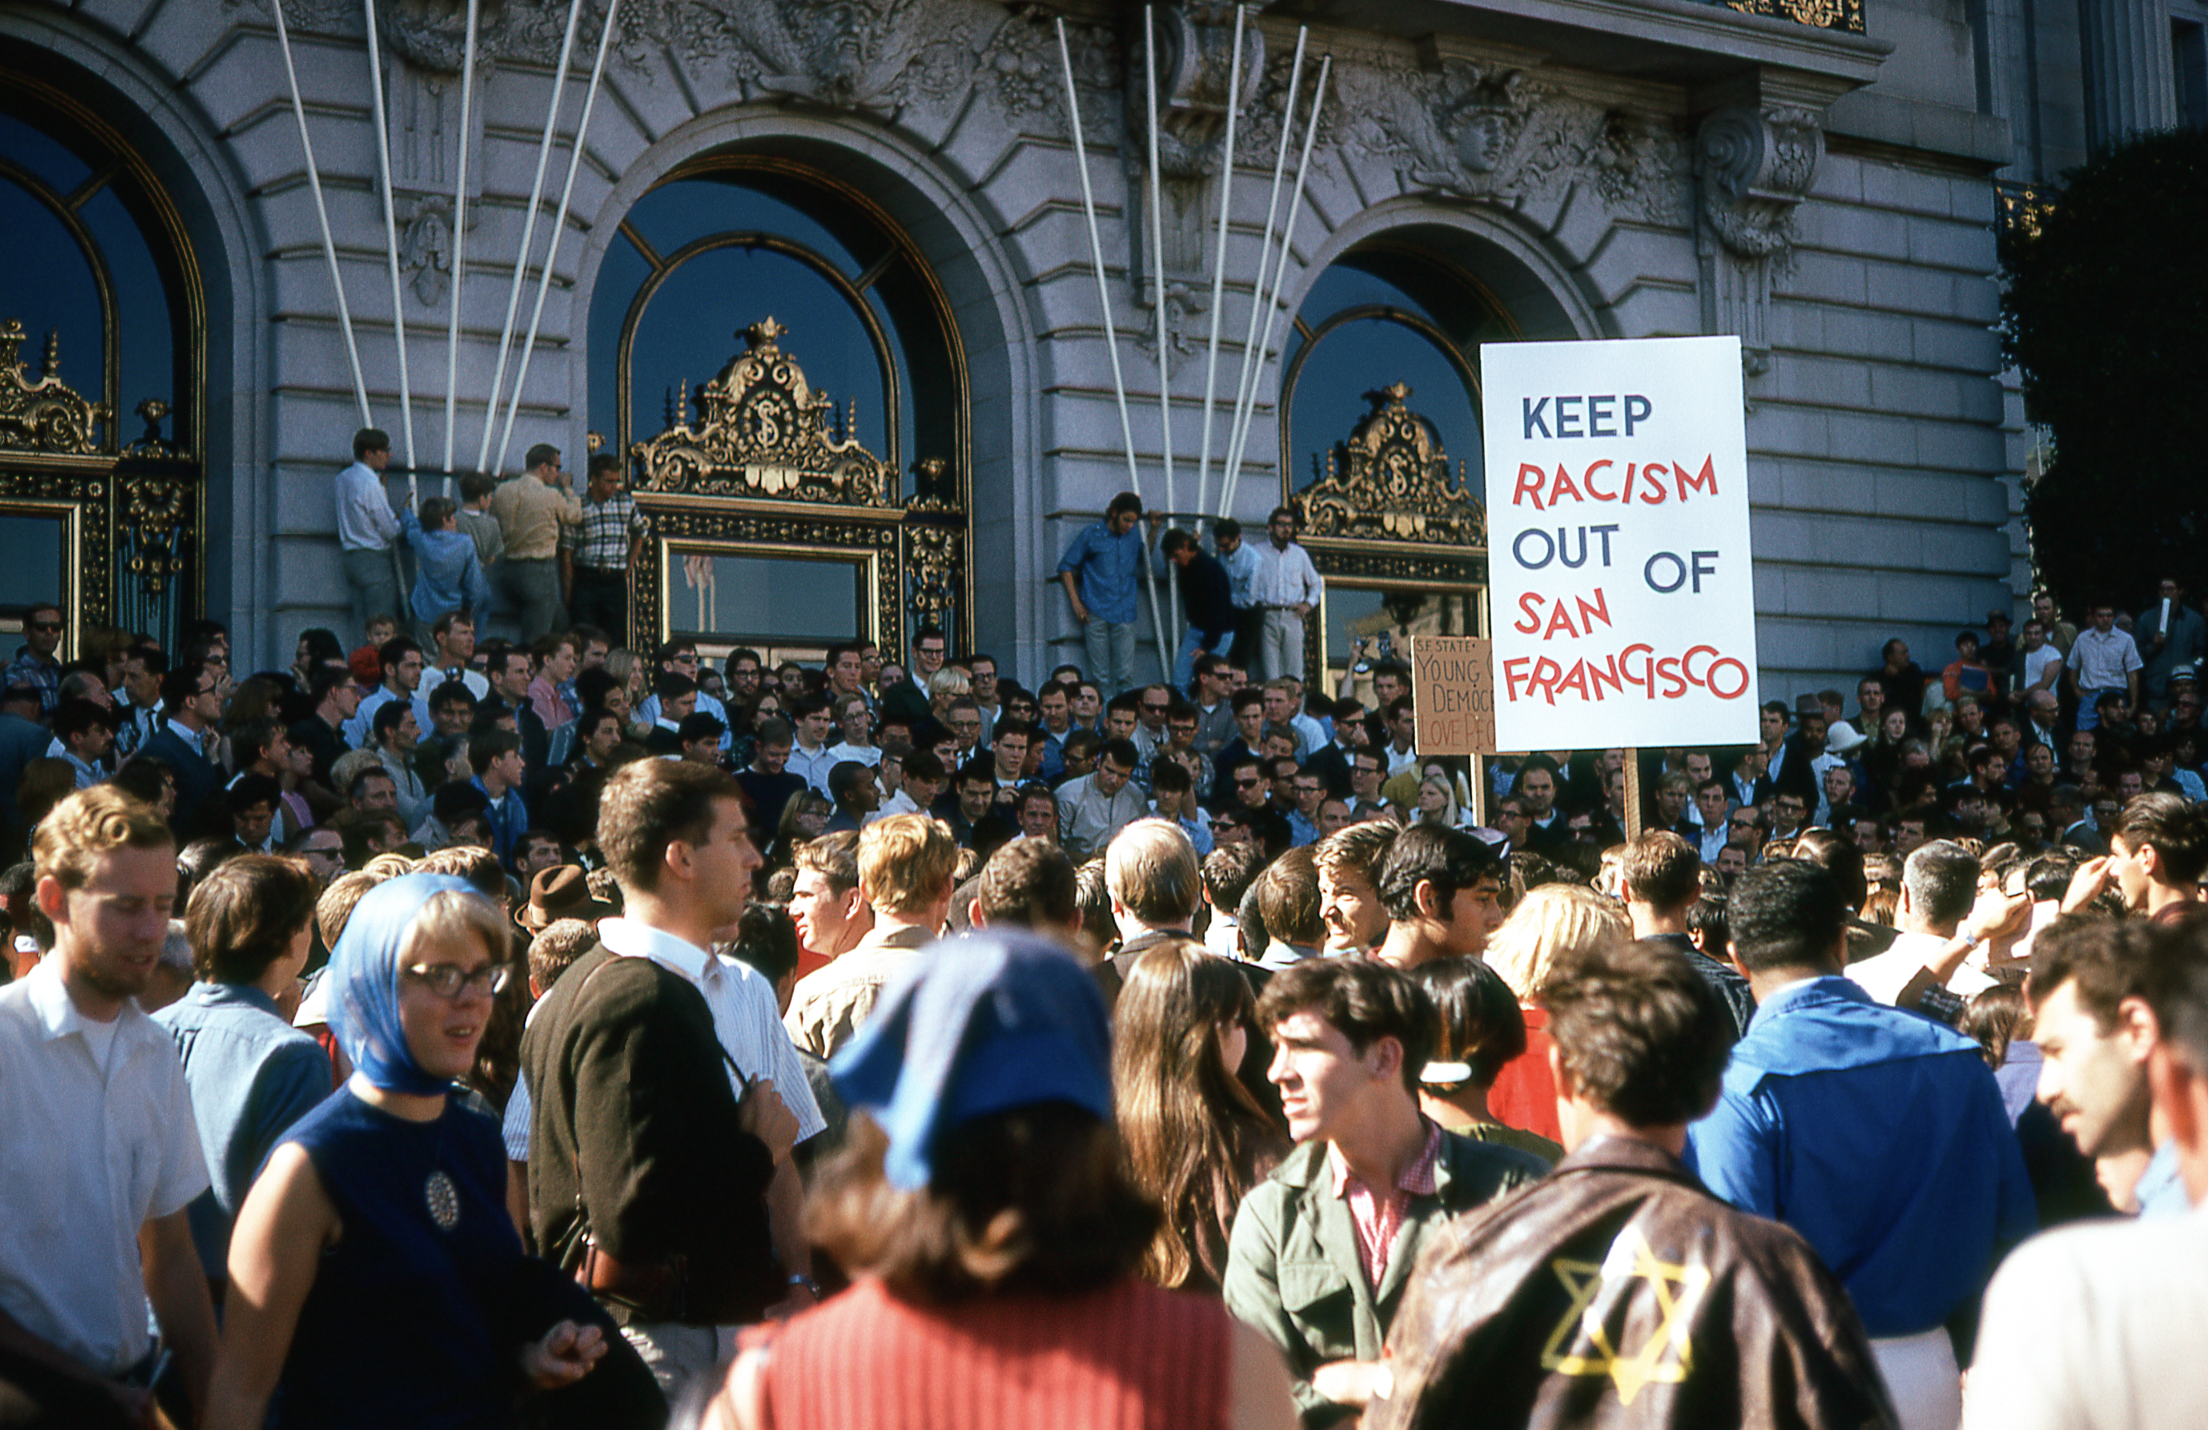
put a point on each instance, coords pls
(374, 1269)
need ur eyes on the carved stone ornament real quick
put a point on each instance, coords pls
(764, 432)
(425, 250)
(1752, 168)
(1492, 134)
(1195, 69)
(877, 57)
(46, 415)
(1393, 484)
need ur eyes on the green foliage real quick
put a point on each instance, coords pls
(2105, 314)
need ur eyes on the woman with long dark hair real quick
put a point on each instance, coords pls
(1196, 1139)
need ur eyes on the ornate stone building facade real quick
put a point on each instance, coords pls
(867, 216)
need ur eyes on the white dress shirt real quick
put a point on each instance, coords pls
(744, 1013)
(100, 1139)
(1284, 578)
(364, 519)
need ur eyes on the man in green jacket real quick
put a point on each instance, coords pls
(1323, 1248)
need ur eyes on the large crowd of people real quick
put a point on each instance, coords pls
(531, 1030)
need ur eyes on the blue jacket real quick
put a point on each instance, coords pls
(447, 575)
(1880, 1136)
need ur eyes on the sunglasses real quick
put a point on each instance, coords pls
(42, 625)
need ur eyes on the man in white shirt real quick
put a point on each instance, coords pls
(103, 1153)
(1287, 589)
(2103, 659)
(2098, 1325)
(1939, 882)
(810, 758)
(455, 637)
(2038, 663)
(366, 528)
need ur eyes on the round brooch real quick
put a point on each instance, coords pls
(444, 1201)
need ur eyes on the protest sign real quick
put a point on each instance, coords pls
(1453, 695)
(1621, 591)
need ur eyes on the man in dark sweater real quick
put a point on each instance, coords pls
(649, 1177)
(1206, 599)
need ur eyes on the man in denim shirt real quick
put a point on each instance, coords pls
(1102, 569)
(448, 577)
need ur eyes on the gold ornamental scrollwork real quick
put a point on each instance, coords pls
(1390, 482)
(1817, 14)
(763, 431)
(44, 415)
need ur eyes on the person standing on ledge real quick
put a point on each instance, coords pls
(604, 547)
(1100, 570)
(531, 509)
(366, 528)
(1287, 590)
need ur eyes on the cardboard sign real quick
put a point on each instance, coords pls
(1453, 692)
(1621, 589)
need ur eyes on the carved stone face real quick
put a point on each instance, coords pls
(1481, 141)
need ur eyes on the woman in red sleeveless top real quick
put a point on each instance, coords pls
(991, 1234)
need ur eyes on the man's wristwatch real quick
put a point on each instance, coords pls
(807, 1282)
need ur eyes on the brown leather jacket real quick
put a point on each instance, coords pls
(1617, 1292)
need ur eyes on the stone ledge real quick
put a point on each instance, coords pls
(1980, 140)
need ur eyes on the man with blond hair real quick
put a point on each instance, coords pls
(908, 866)
(1348, 863)
(91, 1087)
(825, 904)
(1156, 884)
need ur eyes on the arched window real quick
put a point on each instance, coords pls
(100, 300)
(1391, 313)
(728, 241)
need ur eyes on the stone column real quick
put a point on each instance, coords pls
(2130, 72)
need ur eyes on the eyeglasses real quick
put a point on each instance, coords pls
(447, 979)
(42, 625)
(1156, 709)
(1247, 784)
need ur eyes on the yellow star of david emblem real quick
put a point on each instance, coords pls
(1580, 1344)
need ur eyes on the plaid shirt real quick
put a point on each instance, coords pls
(1379, 1219)
(42, 671)
(601, 540)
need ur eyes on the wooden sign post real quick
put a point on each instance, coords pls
(1453, 695)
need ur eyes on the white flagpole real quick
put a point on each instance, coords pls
(528, 232)
(1280, 271)
(1219, 265)
(322, 212)
(1104, 306)
(459, 240)
(1157, 269)
(559, 226)
(391, 245)
(1247, 380)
